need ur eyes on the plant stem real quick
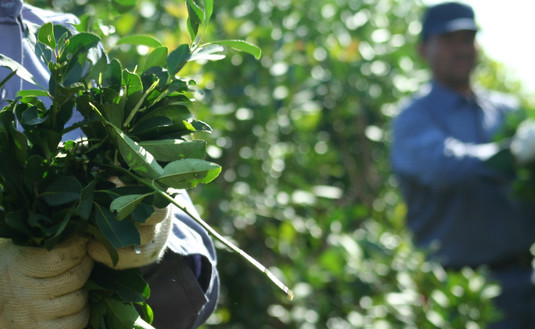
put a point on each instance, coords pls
(230, 245)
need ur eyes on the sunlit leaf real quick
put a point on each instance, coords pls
(195, 18)
(126, 3)
(46, 35)
(158, 57)
(120, 315)
(240, 45)
(32, 92)
(132, 82)
(136, 157)
(19, 69)
(208, 52)
(168, 150)
(125, 205)
(81, 42)
(140, 40)
(188, 173)
(208, 10)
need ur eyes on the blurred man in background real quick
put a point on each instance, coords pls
(458, 207)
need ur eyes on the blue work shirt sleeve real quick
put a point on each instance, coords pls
(424, 152)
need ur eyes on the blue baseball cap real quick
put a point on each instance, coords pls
(447, 17)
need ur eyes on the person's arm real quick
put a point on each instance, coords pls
(421, 150)
(185, 283)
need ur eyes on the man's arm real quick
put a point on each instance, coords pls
(185, 283)
(423, 151)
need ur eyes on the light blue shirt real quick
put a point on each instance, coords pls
(457, 205)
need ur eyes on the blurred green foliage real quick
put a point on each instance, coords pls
(302, 135)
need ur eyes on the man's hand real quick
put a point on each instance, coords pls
(43, 289)
(153, 233)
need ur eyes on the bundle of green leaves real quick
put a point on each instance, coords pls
(137, 127)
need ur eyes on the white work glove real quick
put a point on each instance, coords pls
(153, 233)
(523, 144)
(41, 289)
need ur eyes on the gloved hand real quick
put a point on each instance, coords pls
(153, 233)
(43, 289)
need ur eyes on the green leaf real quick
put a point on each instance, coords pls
(178, 58)
(32, 116)
(61, 33)
(132, 82)
(129, 284)
(157, 75)
(32, 93)
(94, 71)
(41, 222)
(120, 315)
(168, 150)
(158, 57)
(17, 221)
(188, 173)
(140, 40)
(142, 324)
(45, 140)
(6, 79)
(126, 3)
(96, 232)
(240, 45)
(98, 310)
(21, 146)
(175, 112)
(81, 42)
(201, 126)
(56, 232)
(113, 76)
(46, 35)
(74, 74)
(164, 119)
(119, 234)
(208, 10)
(114, 113)
(36, 170)
(19, 69)
(195, 17)
(126, 204)
(86, 200)
(210, 52)
(147, 317)
(63, 190)
(135, 156)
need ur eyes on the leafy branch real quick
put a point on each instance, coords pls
(137, 127)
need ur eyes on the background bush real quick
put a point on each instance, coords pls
(302, 135)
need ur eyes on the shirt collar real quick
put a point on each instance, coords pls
(443, 98)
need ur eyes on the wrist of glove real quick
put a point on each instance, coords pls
(153, 237)
(43, 289)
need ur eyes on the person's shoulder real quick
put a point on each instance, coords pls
(415, 102)
(41, 16)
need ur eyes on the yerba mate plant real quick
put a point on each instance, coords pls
(137, 127)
